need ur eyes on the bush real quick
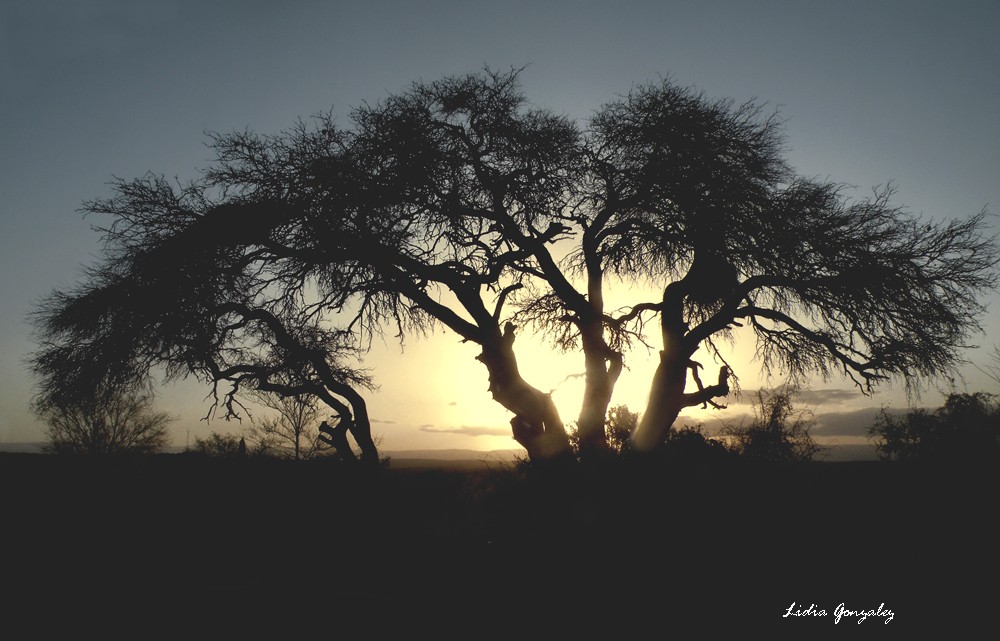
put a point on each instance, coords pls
(113, 424)
(778, 433)
(220, 446)
(966, 427)
(691, 444)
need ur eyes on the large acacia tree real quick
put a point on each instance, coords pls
(457, 203)
(180, 290)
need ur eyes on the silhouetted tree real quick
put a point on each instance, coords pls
(444, 203)
(778, 432)
(112, 424)
(966, 428)
(620, 425)
(291, 431)
(698, 197)
(180, 287)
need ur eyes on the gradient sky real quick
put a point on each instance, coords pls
(872, 91)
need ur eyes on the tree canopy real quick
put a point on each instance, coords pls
(457, 203)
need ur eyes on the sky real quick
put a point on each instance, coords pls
(872, 92)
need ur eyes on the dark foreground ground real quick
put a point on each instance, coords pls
(229, 546)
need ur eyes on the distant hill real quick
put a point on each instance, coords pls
(22, 448)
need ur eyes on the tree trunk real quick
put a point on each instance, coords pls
(357, 424)
(666, 394)
(666, 400)
(536, 424)
(602, 371)
(361, 429)
(336, 437)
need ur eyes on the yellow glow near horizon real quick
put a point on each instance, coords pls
(433, 391)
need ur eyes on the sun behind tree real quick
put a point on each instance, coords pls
(457, 204)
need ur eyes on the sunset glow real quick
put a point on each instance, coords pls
(402, 319)
(852, 125)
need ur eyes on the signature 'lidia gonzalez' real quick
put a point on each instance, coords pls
(840, 613)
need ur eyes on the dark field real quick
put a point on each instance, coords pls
(93, 544)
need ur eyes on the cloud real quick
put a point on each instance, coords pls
(467, 430)
(821, 396)
(712, 424)
(856, 423)
(379, 420)
(808, 397)
(453, 403)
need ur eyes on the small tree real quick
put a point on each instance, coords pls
(619, 426)
(292, 431)
(966, 427)
(117, 424)
(778, 433)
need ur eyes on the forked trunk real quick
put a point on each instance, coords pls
(358, 424)
(666, 394)
(536, 424)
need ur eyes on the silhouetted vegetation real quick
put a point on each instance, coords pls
(690, 443)
(778, 432)
(263, 539)
(218, 445)
(965, 430)
(619, 425)
(292, 430)
(450, 203)
(109, 424)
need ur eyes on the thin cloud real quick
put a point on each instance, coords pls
(856, 423)
(712, 425)
(467, 430)
(379, 420)
(453, 403)
(821, 396)
(811, 397)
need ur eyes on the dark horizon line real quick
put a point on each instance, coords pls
(35, 447)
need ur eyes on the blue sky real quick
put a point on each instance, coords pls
(872, 92)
